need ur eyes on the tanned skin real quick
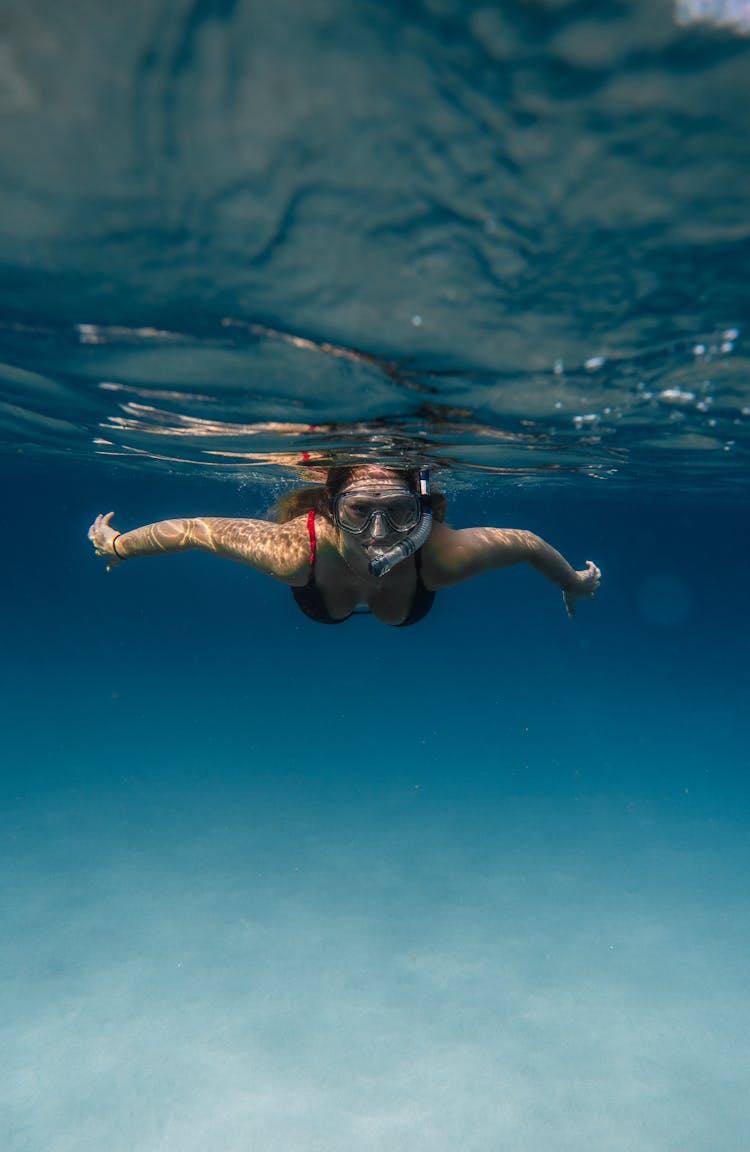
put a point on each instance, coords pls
(342, 575)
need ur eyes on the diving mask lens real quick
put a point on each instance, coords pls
(355, 510)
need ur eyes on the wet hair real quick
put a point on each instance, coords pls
(320, 498)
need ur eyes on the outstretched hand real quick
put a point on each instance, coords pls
(102, 534)
(584, 588)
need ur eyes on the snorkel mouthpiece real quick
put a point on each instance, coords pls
(416, 538)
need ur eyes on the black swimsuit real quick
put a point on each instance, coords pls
(309, 599)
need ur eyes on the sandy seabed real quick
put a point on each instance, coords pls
(189, 971)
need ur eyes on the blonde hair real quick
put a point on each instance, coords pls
(320, 498)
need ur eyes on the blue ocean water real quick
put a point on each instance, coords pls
(471, 885)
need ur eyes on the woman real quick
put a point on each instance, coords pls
(371, 537)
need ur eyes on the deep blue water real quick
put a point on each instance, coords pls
(471, 885)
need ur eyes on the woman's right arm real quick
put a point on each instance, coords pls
(280, 550)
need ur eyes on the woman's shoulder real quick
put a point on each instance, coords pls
(312, 527)
(441, 555)
(441, 535)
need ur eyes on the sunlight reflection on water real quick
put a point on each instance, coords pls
(513, 242)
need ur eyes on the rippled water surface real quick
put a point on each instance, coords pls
(507, 237)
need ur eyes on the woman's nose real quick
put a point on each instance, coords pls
(379, 528)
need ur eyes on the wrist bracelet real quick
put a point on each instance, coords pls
(114, 546)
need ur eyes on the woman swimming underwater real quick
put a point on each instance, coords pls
(370, 537)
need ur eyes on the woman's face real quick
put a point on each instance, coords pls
(374, 511)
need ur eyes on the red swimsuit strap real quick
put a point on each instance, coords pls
(311, 534)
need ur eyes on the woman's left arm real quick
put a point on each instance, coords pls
(451, 556)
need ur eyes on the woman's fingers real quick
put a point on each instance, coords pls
(101, 533)
(102, 521)
(594, 575)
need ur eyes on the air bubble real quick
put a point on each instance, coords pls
(676, 395)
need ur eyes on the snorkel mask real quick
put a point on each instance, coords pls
(406, 511)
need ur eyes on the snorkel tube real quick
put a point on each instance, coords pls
(416, 538)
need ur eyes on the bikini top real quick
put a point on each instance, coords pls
(309, 599)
